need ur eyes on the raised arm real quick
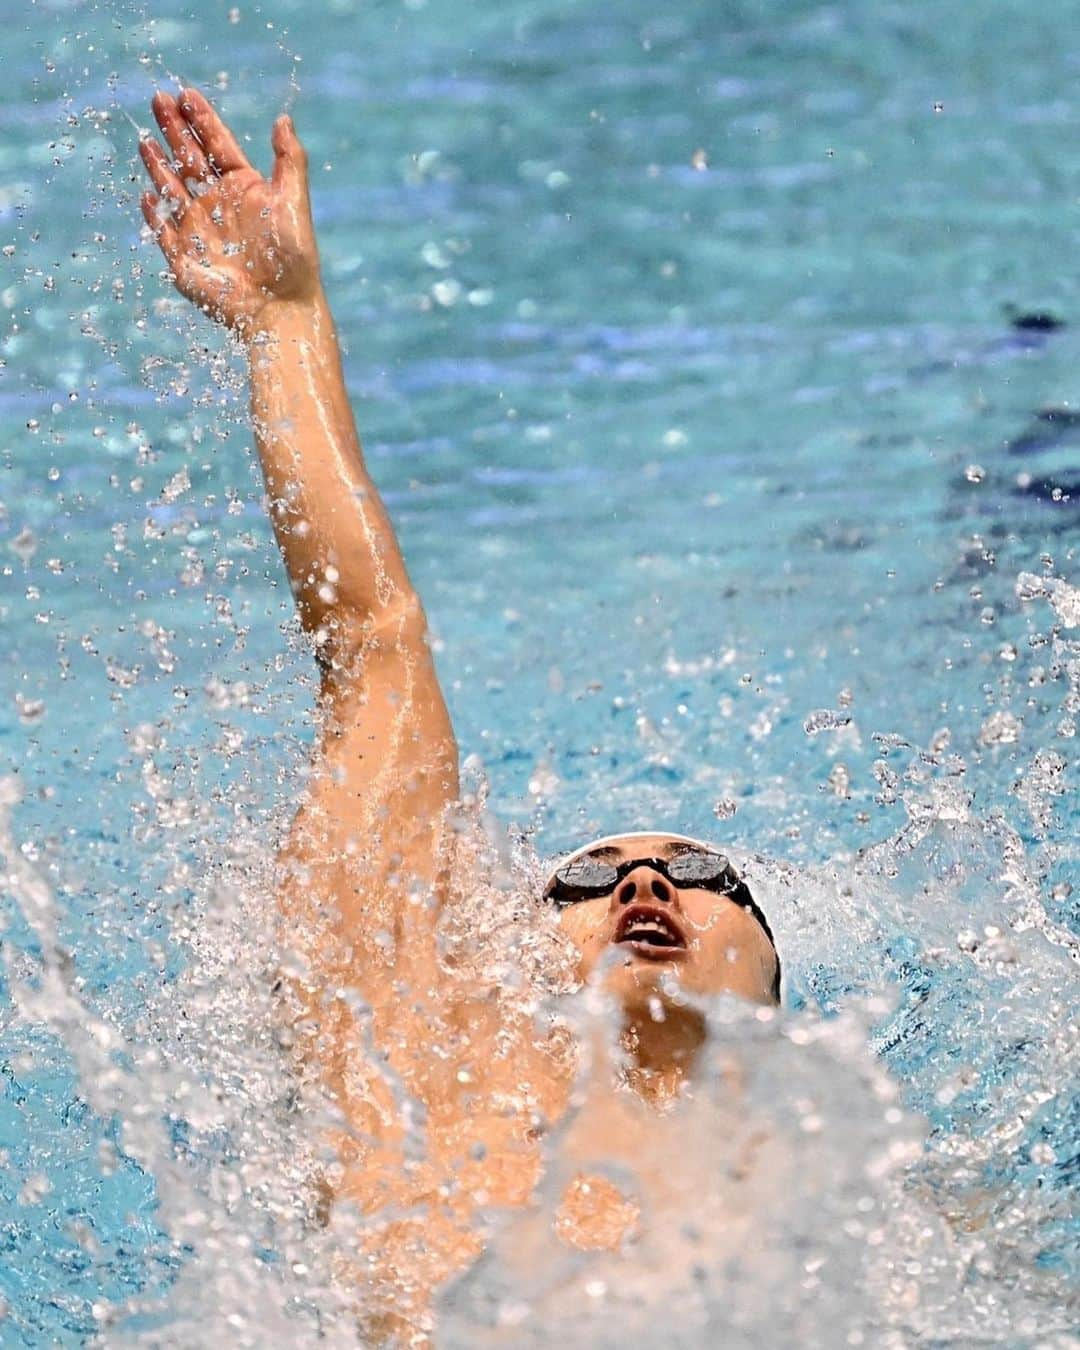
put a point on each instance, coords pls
(242, 247)
(372, 821)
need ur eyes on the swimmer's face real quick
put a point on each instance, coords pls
(657, 929)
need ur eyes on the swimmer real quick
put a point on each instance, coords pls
(370, 856)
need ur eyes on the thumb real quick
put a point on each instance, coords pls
(290, 157)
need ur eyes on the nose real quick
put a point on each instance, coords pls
(643, 884)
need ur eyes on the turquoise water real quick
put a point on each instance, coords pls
(719, 368)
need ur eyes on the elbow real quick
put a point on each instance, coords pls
(345, 644)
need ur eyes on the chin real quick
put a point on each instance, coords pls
(633, 982)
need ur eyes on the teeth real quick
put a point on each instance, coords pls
(643, 930)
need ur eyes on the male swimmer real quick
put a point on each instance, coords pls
(371, 853)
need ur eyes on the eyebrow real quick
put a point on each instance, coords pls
(607, 854)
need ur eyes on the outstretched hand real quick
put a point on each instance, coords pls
(236, 242)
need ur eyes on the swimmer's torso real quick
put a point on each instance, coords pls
(465, 1111)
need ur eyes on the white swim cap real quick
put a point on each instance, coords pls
(615, 840)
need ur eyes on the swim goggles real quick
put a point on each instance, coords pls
(592, 878)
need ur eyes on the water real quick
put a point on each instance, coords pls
(706, 361)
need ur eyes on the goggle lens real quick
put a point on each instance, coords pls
(593, 878)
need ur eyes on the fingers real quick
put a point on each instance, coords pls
(290, 157)
(183, 142)
(164, 227)
(220, 145)
(162, 174)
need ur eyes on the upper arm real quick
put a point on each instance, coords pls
(367, 841)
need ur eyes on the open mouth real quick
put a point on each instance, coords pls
(650, 932)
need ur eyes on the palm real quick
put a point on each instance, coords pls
(241, 245)
(235, 240)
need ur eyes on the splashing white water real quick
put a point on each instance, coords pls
(890, 1170)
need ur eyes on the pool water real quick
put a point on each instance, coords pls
(718, 365)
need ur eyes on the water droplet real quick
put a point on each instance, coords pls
(447, 293)
(24, 545)
(31, 710)
(839, 780)
(435, 256)
(761, 726)
(1000, 728)
(975, 473)
(825, 719)
(177, 485)
(544, 781)
(888, 782)
(121, 675)
(725, 808)
(889, 740)
(34, 1188)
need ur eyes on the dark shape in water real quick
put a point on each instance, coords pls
(1058, 491)
(1035, 321)
(1053, 425)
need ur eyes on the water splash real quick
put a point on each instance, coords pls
(837, 1174)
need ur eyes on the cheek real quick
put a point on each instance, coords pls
(709, 922)
(732, 954)
(718, 940)
(583, 925)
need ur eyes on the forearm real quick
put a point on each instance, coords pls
(340, 551)
(242, 247)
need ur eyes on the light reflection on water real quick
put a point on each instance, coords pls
(685, 457)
